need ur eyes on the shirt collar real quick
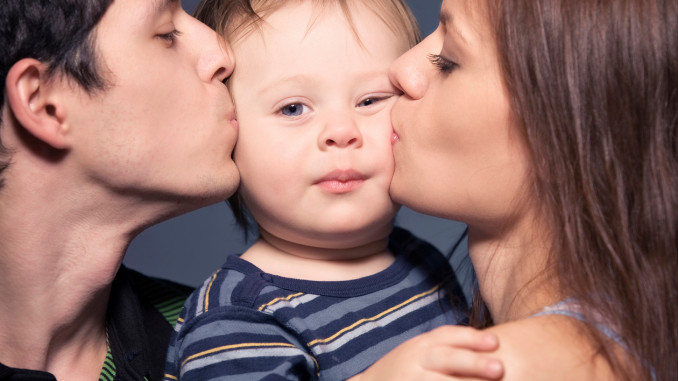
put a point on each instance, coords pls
(138, 334)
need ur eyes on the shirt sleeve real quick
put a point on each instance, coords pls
(237, 343)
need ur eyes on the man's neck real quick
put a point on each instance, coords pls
(57, 263)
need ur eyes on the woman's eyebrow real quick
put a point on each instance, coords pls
(447, 21)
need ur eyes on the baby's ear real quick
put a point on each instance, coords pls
(35, 100)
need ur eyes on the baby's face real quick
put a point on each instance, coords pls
(313, 105)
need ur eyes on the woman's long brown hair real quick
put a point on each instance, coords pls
(594, 86)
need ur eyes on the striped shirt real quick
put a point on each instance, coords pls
(244, 324)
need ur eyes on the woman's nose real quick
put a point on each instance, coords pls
(409, 71)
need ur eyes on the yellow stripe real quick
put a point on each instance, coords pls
(235, 346)
(207, 293)
(361, 321)
(180, 320)
(279, 299)
(170, 377)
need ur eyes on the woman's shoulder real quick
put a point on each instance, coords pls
(550, 347)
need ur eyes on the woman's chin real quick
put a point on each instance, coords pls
(398, 189)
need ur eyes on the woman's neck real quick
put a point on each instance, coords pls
(512, 269)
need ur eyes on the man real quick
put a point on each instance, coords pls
(114, 118)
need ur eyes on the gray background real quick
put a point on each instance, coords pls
(187, 249)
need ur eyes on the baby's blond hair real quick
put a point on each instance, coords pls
(234, 19)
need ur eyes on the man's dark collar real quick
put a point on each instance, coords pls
(138, 334)
(14, 374)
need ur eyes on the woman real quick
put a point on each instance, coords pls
(550, 127)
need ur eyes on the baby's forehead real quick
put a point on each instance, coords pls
(246, 24)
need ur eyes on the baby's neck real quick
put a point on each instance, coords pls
(292, 260)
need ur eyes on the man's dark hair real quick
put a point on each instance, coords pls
(55, 32)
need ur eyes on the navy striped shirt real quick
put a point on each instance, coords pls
(244, 324)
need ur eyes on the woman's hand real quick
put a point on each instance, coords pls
(445, 353)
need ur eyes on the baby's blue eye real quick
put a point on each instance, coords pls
(293, 109)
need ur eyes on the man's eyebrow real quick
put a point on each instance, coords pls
(447, 20)
(444, 17)
(160, 5)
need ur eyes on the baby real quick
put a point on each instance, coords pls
(330, 286)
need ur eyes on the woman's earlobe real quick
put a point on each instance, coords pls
(34, 103)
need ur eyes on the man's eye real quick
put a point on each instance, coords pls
(170, 37)
(293, 109)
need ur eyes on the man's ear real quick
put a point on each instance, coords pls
(35, 103)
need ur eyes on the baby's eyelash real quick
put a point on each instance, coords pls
(443, 64)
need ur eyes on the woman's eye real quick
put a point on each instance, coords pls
(293, 109)
(443, 64)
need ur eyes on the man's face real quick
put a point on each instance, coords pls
(165, 128)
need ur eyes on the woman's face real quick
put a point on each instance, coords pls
(457, 155)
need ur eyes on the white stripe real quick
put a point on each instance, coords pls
(241, 354)
(370, 325)
(305, 298)
(201, 297)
